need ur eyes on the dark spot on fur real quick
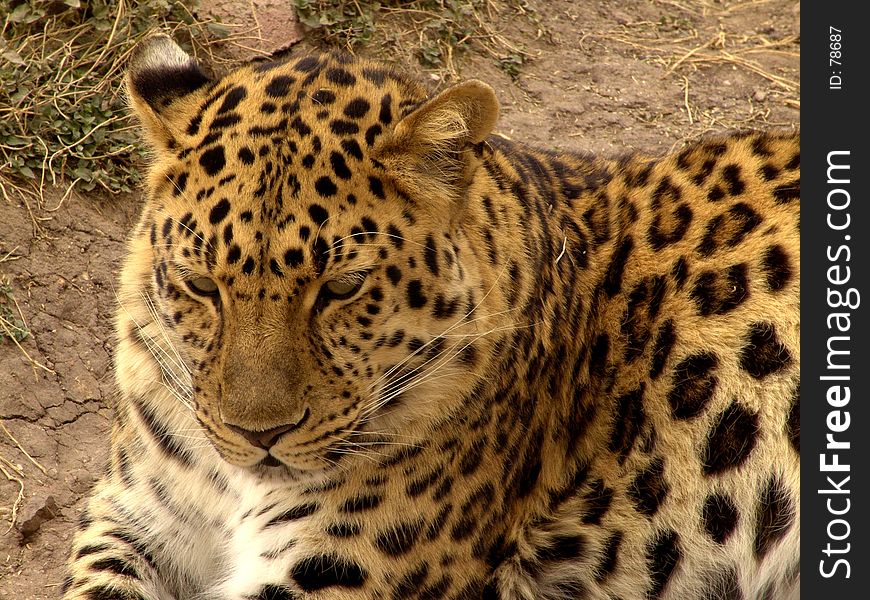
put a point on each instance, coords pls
(110, 592)
(300, 127)
(179, 184)
(664, 343)
(715, 194)
(731, 175)
(325, 187)
(164, 440)
(649, 489)
(720, 292)
(219, 211)
(719, 516)
(275, 592)
(613, 279)
(279, 86)
(680, 272)
(731, 439)
(213, 160)
(664, 233)
(318, 572)
(352, 148)
(294, 514)
(357, 108)
(343, 529)
(376, 187)
(430, 255)
(597, 501)
(663, 554)
(323, 97)
(342, 127)
(410, 583)
(114, 565)
(609, 556)
(787, 192)
(371, 133)
(793, 424)
(777, 267)
(416, 298)
(385, 115)
(629, 420)
(340, 77)
(399, 539)
(565, 547)
(394, 274)
(694, 382)
(774, 518)
(293, 257)
(246, 156)
(339, 166)
(361, 503)
(763, 354)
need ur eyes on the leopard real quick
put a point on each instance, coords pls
(368, 348)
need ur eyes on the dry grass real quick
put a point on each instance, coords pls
(62, 113)
(14, 472)
(434, 32)
(682, 50)
(14, 329)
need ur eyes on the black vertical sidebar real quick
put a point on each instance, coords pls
(835, 298)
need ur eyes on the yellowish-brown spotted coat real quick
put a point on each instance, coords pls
(368, 351)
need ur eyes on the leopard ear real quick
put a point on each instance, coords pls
(161, 83)
(429, 155)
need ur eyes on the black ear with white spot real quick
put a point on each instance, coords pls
(161, 82)
(428, 154)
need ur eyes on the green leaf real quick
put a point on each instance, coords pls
(14, 140)
(13, 57)
(20, 13)
(219, 30)
(312, 21)
(27, 172)
(83, 173)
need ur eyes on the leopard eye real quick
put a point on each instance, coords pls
(339, 289)
(203, 286)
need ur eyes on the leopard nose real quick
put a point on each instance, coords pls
(268, 438)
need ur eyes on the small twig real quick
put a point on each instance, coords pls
(19, 499)
(66, 195)
(11, 334)
(8, 255)
(20, 447)
(686, 99)
(688, 54)
(18, 308)
(256, 19)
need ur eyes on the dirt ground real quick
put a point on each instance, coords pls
(605, 77)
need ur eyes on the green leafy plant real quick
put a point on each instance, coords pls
(62, 112)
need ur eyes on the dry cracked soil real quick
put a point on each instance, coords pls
(605, 77)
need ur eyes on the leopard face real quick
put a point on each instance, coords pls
(304, 235)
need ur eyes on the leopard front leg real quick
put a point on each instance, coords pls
(111, 557)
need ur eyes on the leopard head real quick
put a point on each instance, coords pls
(304, 247)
